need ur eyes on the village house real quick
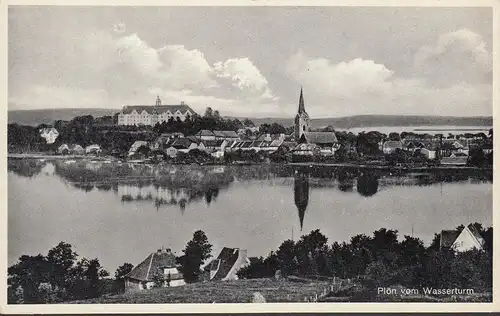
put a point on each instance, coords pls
(165, 139)
(77, 149)
(93, 149)
(391, 146)
(184, 145)
(305, 149)
(325, 141)
(135, 146)
(205, 134)
(429, 154)
(63, 149)
(455, 159)
(226, 135)
(228, 263)
(467, 239)
(50, 134)
(151, 115)
(162, 264)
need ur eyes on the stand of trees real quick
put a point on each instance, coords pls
(381, 260)
(56, 277)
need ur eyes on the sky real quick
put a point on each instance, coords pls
(253, 61)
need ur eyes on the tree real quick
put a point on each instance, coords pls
(123, 270)
(158, 278)
(26, 276)
(196, 252)
(208, 112)
(286, 257)
(61, 259)
(248, 123)
(120, 274)
(394, 136)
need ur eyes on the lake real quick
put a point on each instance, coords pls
(122, 212)
(422, 129)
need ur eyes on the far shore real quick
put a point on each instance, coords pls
(401, 168)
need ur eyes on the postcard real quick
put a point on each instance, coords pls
(260, 156)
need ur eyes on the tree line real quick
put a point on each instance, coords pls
(380, 260)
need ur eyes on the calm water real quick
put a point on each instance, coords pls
(120, 213)
(421, 129)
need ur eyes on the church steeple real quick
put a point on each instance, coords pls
(301, 119)
(158, 101)
(302, 108)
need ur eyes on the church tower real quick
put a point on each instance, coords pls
(301, 119)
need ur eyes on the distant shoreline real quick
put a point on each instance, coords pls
(298, 164)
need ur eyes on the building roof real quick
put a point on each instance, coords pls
(462, 160)
(224, 262)
(226, 134)
(320, 137)
(157, 109)
(448, 237)
(305, 147)
(182, 143)
(145, 270)
(48, 130)
(393, 144)
(205, 132)
(476, 234)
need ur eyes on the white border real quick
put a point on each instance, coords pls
(247, 308)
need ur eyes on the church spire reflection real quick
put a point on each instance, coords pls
(301, 195)
(367, 184)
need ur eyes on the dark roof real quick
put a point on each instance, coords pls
(205, 132)
(145, 270)
(182, 143)
(393, 144)
(320, 137)
(448, 237)
(454, 160)
(157, 109)
(476, 234)
(209, 143)
(227, 258)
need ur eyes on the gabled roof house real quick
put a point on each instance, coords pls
(160, 263)
(467, 239)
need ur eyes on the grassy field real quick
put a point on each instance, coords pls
(240, 291)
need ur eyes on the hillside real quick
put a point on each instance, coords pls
(386, 120)
(219, 292)
(48, 116)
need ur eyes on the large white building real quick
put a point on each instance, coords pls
(153, 114)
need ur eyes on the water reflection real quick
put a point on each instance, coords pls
(345, 180)
(367, 184)
(301, 194)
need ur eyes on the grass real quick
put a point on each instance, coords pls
(240, 291)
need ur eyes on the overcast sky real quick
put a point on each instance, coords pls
(253, 61)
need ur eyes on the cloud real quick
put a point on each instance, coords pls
(459, 56)
(362, 86)
(243, 74)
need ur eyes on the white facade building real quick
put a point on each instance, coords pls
(153, 114)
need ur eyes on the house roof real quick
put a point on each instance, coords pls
(448, 237)
(48, 130)
(157, 109)
(276, 143)
(205, 132)
(182, 143)
(476, 234)
(393, 144)
(145, 270)
(320, 137)
(304, 147)
(454, 160)
(227, 258)
(209, 143)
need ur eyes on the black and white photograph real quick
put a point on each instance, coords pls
(249, 154)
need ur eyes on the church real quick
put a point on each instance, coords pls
(309, 142)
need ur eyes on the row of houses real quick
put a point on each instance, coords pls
(230, 260)
(76, 149)
(161, 265)
(451, 151)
